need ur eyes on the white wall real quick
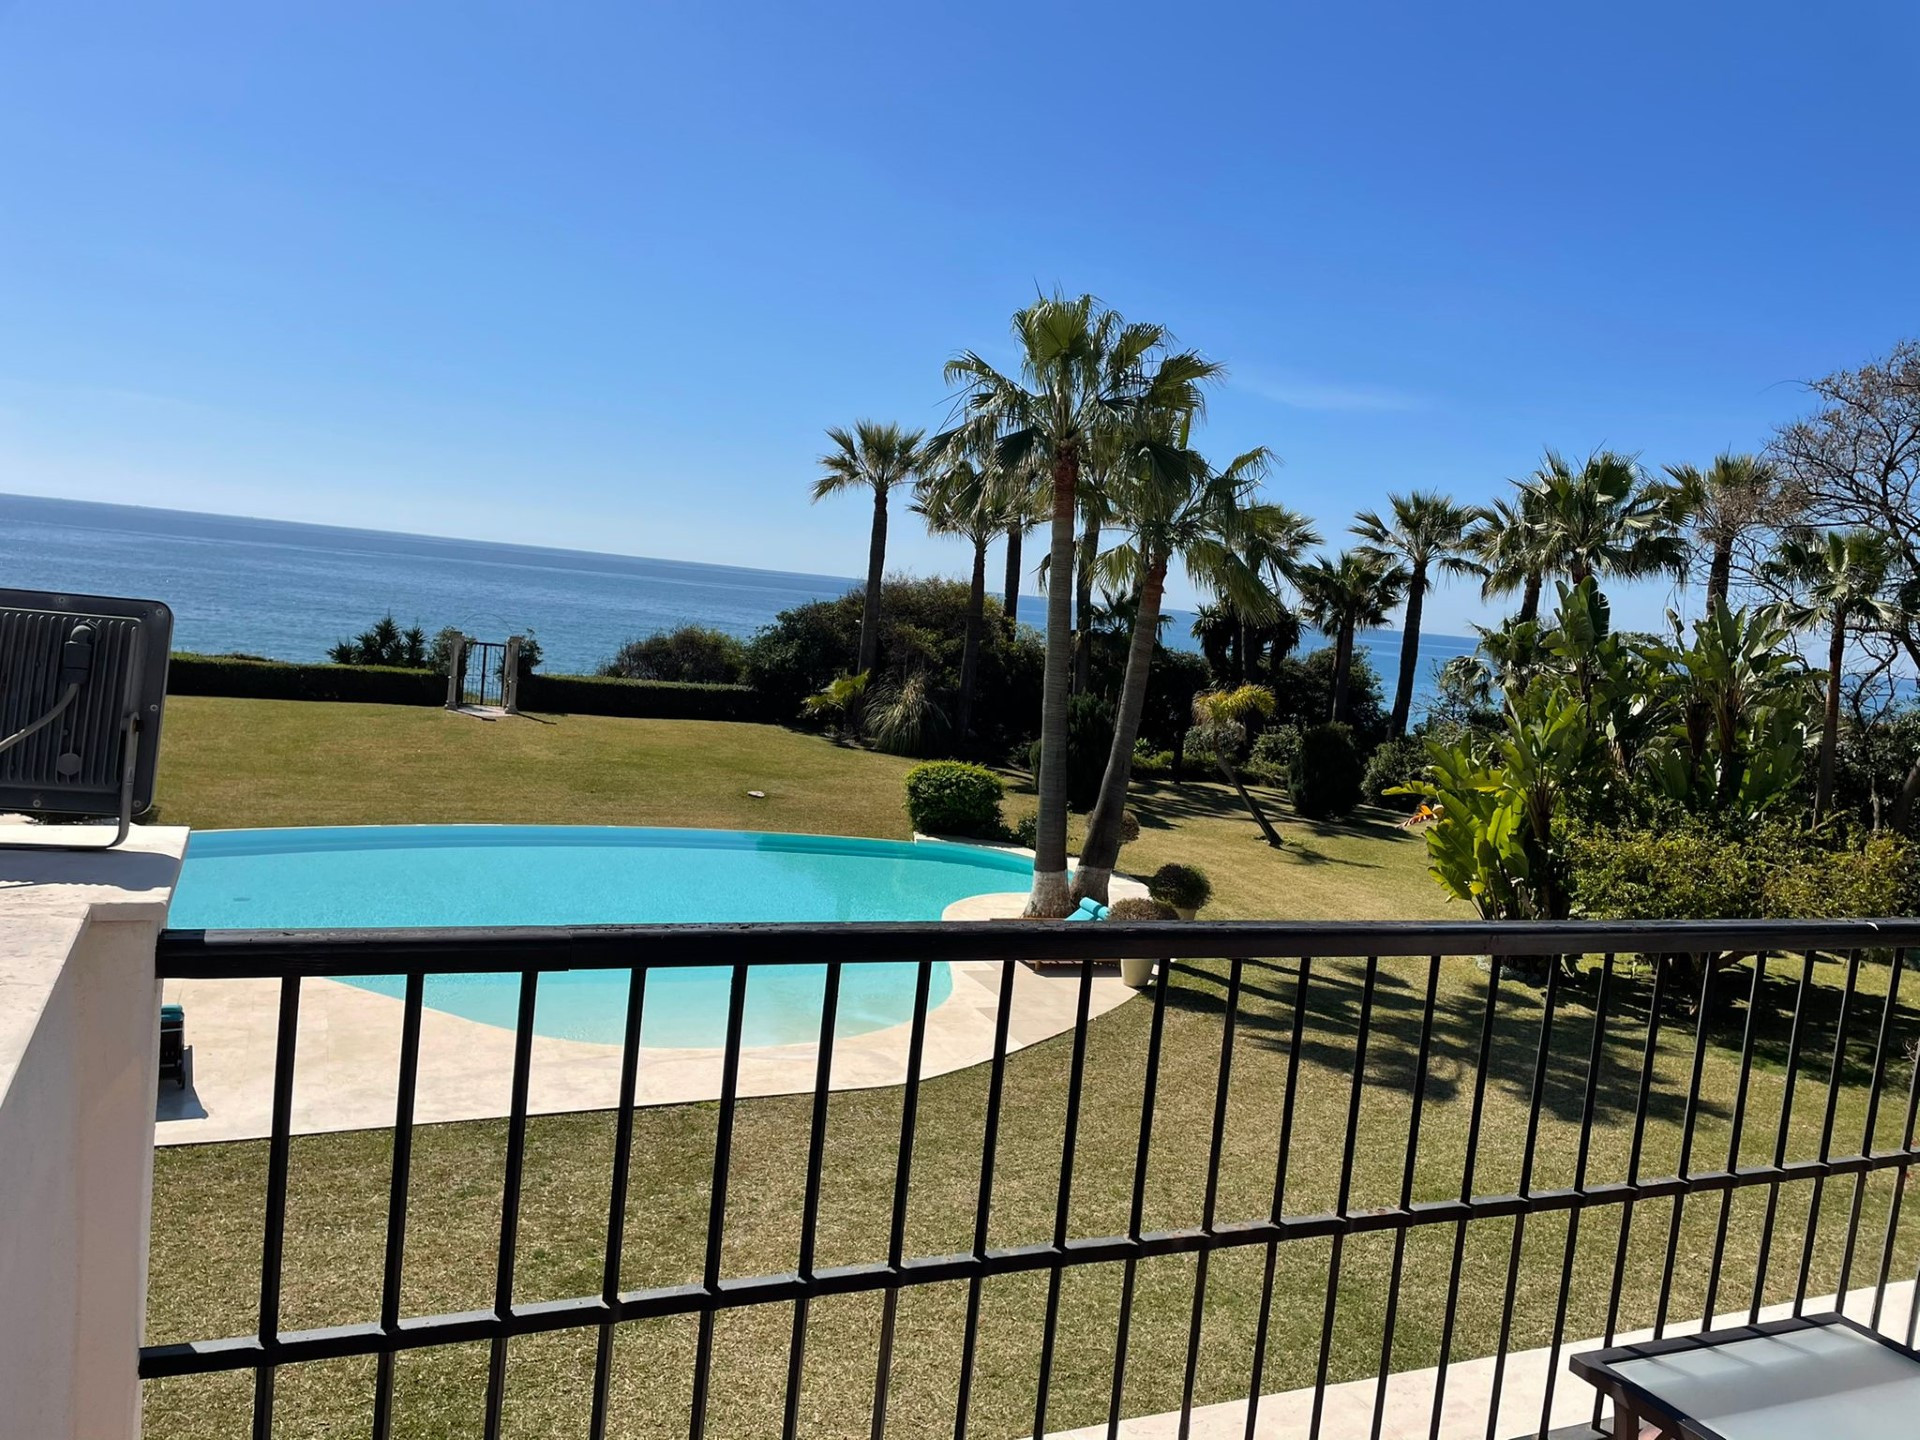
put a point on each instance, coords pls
(79, 1042)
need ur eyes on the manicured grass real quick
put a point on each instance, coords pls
(207, 1199)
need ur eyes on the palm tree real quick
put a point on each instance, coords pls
(1273, 540)
(1354, 591)
(1732, 497)
(1025, 484)
(1426, 531)
(1505, 548)
(1172, 503)
(1840, 577)
(1603, 520)
(872, 457)
(1082, 370)
(975, 502)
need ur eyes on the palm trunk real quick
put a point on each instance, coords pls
(1253, 806)
(1409, 652)
(1010, 601)
(1530, 599)
(1102, 850)
(1830, 722)
(1049, 894)
(1720, 574)
(1342, 669)
(1083, 608)
(1903, 804)
(876, 566)
(970, 650)
(1238, 672)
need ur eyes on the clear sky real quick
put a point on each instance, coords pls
(598, 275)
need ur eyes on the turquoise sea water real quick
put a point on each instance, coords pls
(409, 876)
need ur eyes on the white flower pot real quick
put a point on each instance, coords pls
(1137, 973)
(1186, 912)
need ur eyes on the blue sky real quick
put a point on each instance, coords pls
(598, 275)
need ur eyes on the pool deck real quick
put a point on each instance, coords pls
(346, 1072)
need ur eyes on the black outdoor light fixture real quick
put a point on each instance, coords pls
(83, 679)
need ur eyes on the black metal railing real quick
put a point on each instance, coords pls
(1665, 1074)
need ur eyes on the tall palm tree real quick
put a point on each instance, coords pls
(876, 458)
(1506, 548)
(973, 501)
(1171, 502)
(1272, 542)
(1732, 497)
(1025, 484)
(1082, 369)
(1603, 520)
(1839, 577)
(1424, 532)
(1354, 591)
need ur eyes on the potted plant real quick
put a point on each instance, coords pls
(1184, 887)
(1138, 973)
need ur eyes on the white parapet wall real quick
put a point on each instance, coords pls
(79, 1051)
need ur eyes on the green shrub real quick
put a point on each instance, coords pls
(384, 643)
(1395, 763)
(1274, 752)
(1026, 831)
(246, 679)
(691, 654)
(949, 797)
(1184, 886)
(1774, 872)
(1089, 738)
(1325, 783)
(906, 719)
(1135, 907)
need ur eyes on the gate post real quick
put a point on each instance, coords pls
(510, 677)
(456, 672)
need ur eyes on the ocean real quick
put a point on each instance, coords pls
(270, 587)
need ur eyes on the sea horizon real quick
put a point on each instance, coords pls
(289, 590)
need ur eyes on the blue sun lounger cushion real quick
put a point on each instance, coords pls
(1090, 909)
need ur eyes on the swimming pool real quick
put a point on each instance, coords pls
(405, 876)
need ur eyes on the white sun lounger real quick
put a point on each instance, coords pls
(1819, 1377)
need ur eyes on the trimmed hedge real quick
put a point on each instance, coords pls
(381, 685)
(951, 797)
(279, 680)
(644, 699)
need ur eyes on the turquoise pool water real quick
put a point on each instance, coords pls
(598, 875)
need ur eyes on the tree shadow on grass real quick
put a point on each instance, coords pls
(1334, 998)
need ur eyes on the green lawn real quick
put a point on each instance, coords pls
(242, 763)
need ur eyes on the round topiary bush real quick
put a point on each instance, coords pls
(950, 797)
(1184, 887)
(1326, 777)
(1137, 907)
(1393, 764)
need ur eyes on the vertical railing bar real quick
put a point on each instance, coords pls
(1782, 1134)
(510, 1199)
(1211, 1194)
(1733, 1140)
(1294, 1045)
(1527, 1154)
(1596, 1059)
(717, 1199)
(1407, 1175)
(1075, 1077)
(1875, 1083)
(902, 1188)
(1834, 1078)
(1354, 1097)
(1136, 1212)
(810, 1206)
(1899, 1197)
(1635, 1150)
(397, 1191)
(274, 1233)
(617, 1196)
(1689, 1123)
(983, 1209)
(1482, 1064)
